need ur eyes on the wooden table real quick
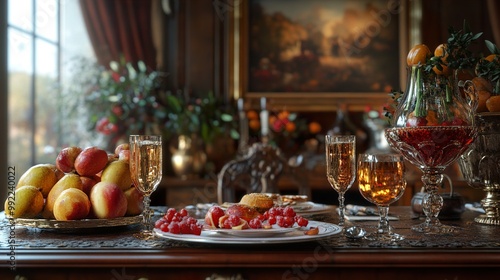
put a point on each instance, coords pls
(473, 253)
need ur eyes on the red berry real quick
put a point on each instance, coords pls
(255, 223)
(289, 221)
(289, 212)
(234, 220)
(170, 214)
(271, 220)
(191, 220)
(183, 212)
(159, 222)
(164, 227)
(195, 229)
(280, 221)
(184, 227)
(174, 228)
(302, 222)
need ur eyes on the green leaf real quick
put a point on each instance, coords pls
(492, 47)
(226, 118)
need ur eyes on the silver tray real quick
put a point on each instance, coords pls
(78, 224)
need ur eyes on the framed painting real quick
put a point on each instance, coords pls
(311, 55)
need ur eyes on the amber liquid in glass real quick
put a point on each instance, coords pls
(381, 183)
(341, 165)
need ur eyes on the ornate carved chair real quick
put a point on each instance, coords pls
(258, 171)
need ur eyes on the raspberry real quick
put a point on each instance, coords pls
(289, 212)
(280, 221)
(195, 229)
(234, 220)
(159, 222)
(255, 223)
(184, 227)
(271, 220)
(174, 228)
(164, 227)
(302, 222)
(191, 220)
(289, 221)
(183, 212)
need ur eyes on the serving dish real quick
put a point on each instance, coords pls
(78, 224)
(293, 236)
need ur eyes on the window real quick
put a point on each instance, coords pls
(43, 36)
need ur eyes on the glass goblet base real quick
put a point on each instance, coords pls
(434, 228)
(386, 236)
(145, 235)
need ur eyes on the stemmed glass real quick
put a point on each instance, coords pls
(432, 126)
(340, 166)
(381, 182)
(146, 172)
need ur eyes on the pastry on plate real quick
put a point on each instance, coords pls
(261, 202)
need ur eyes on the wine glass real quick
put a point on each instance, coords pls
(381, 182)
(340, 166)
(432, 126)
(146, 173)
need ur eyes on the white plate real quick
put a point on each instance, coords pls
(297, 235)
(253, 233)
(311, 208)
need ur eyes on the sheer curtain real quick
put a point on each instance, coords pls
(120, 27)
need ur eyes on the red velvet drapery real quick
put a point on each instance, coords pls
(120, 27)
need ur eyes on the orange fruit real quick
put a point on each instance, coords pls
(483, 96)
(272, 119)
(283, 115)
(492, 57)
(493, 103)
(418, 55)
(252, 115)
(481, 83)
(254, 124)
(314, 127)
(290, 127)
(441, 52)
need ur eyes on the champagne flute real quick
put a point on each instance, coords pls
(340, 166)
(146, 172)
(381, 182)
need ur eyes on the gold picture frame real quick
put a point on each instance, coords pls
(238, 68)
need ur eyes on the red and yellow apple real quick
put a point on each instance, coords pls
(71, 204)
(91, 161)
(65, 160)
(135, 203)
(122, 147)
(88, 183)
(108, 201)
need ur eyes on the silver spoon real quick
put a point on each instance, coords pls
(355, 232)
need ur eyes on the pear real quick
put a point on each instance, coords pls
(69, 180)
(41, 176)
(117, 172)
(27, 202)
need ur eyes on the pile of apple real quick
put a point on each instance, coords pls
(82, 184)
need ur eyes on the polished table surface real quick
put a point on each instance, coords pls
(113, 253)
